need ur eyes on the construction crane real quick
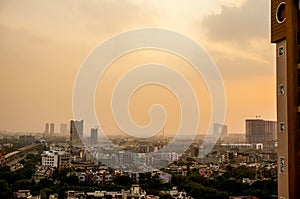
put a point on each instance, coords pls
(256, 116)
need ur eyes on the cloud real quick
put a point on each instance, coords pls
(239, 24)
(77, 20)
(238, 40)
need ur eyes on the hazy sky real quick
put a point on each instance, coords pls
(44, 42)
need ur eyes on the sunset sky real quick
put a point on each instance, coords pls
(44, 42)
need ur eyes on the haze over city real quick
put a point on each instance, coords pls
(43, 44)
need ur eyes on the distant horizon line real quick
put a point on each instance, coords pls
(113, 134)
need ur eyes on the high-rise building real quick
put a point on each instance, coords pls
(260, 131)
(285, 33)
(220, 130)
(51, 128)
(94, 136)
(194, 151)
(76, 132)
(63, 129)
(46, 128)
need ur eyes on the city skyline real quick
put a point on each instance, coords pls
(42, 53)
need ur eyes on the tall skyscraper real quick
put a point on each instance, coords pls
(63, 129)
(221, 130)
(46, 128)
(76, 132)
(94, 136)
(51, 128)
(260, 131)
(285, 33)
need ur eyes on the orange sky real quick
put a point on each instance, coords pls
(43, 44)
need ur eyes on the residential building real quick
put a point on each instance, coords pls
(94, 136)
(26, 137)
(63, 129)
(64, 160)
(46, 128)
(50, 158)
(260, 131)
(220, 130)
(52, 128)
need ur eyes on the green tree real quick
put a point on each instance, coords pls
(233, 186)
(179, 180)
(5, 189)
(46, 192)
(46, 183)
(22, 184)
(124, 181)
(258, 193)
(240, 173)
(165, 196)
(216, 195)
(70, 180)
(198, 179)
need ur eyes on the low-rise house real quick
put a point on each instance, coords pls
(174, 193)
(24, 194)
(53, 196)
